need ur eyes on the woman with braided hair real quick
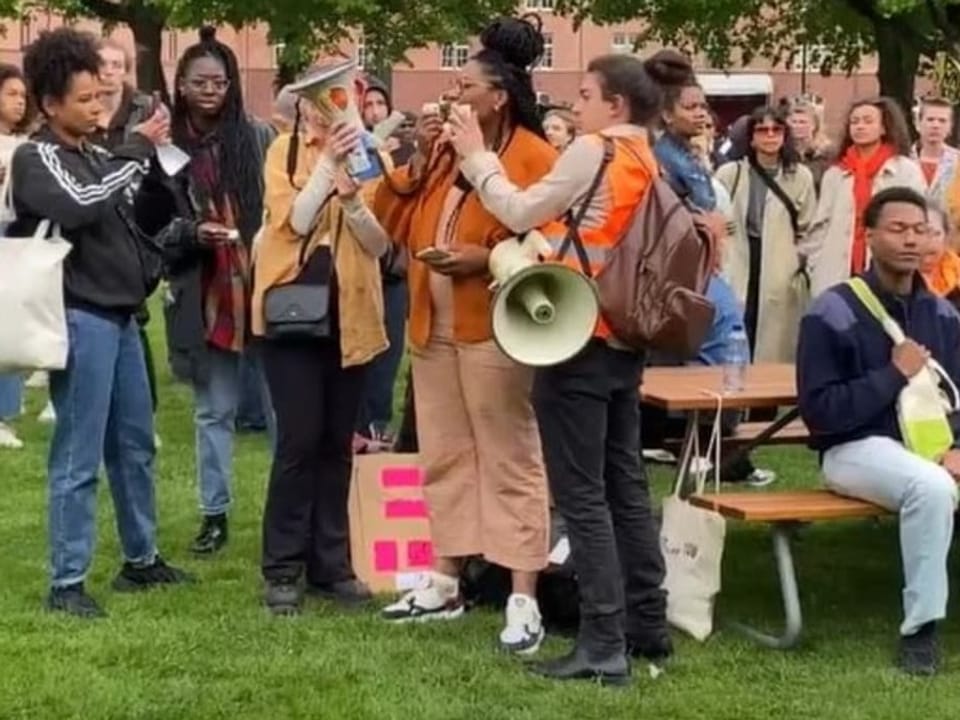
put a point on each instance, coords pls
(221, 189)
(485, 482)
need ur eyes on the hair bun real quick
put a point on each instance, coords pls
(518, 41)
(208, 33)
(669, 67)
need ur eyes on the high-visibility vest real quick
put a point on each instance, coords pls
(627, 179)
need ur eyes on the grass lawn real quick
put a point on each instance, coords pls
(210, 651)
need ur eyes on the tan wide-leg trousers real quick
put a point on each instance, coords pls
(485, 484)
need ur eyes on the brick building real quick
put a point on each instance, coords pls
(434, 68)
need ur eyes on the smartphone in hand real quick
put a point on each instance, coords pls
(432, 255)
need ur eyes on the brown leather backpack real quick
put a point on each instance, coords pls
(653, 282)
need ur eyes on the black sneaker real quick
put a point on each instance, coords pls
(348, 593)
(212, 536)
(920, 652)
(283, 597)
(73, 600)
(133, 578)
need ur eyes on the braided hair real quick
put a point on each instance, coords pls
(511, 48)
(240, 176)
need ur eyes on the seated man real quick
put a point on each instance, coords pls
(849, 376)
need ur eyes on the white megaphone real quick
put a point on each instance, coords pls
(543, 313)
(333, 91)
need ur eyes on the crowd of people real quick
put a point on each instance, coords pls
(398, 258)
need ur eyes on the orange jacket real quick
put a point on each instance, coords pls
(628, 177)
(410, 212)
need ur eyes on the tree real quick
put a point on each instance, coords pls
(390, 27)
(901, 32)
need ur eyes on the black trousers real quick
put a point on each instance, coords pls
(316, 400)
(590, 428)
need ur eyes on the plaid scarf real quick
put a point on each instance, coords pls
(226, 272)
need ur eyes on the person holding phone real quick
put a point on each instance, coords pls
(209, 272)
(485, 484)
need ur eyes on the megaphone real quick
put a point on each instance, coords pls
(332, 90)
(543, 313)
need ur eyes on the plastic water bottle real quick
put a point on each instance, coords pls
(735, 361)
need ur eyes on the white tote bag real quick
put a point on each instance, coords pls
(33, 322)
(692, 542)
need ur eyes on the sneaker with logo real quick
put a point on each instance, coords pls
(524, 631)
(438, 598)
(9, 438)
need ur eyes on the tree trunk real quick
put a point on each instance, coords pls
(147, 26)
(899, 61)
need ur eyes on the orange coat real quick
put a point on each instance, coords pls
(410, 212)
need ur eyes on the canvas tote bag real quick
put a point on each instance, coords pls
(692, 542)
(922, 407)
(33, 323)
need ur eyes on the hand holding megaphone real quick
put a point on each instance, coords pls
(466, 137)
(344, 139)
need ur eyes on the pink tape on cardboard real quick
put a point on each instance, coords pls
(405, 509)
(420, 554)
(385, 556)
(401, 477)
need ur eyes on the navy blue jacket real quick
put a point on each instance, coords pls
(846, 382)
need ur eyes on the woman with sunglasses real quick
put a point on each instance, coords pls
(773, 205)
(485, 481)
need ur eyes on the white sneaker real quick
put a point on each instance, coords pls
(761, 478)
(8, 438)
(39, 379)
(438, 598)
(524, 631)
(49, 415)
(157, 442)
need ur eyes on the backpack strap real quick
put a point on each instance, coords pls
(573, 223)
(873, 305)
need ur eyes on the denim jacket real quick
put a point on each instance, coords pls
(686, 174)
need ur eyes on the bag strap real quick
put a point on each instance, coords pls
(736, 182)
(775, 187)
(573, 227)
(872, 303)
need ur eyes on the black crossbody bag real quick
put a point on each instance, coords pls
(301, 309)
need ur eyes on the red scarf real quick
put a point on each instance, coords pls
(864, 170)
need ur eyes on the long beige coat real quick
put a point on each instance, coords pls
(831, 236)
(782, 298)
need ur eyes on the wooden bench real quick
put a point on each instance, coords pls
(794, 433)
(783, 511)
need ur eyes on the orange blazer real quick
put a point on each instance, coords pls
(410, 209)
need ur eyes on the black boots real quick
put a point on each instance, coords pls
(212, 536)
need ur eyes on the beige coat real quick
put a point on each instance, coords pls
(831, 238)
(782, 298)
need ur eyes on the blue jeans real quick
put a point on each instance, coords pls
(376, 408)
(882, 471)
(11, 395)
(215, 416)
(104, 415)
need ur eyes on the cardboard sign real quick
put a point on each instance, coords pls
(389, 531)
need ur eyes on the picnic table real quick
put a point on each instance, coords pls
(694, 390)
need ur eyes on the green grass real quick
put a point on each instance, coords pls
(210, 651)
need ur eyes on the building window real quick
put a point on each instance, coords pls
(26, 32)
(624, 42)
(454, 56)
(546, 5)
(361, 53)
(171, 42)
(546, 62)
